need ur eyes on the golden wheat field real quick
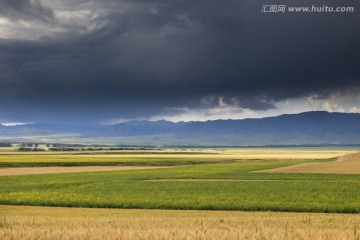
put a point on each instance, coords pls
(20, 223)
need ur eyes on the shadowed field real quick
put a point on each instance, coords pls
(348, 164)
(80, 223)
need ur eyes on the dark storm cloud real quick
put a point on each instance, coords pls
(147, 56)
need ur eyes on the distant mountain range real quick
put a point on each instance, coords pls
(304, 128)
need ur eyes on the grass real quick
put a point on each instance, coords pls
(18, 222)
(292, 192)
(96, 191)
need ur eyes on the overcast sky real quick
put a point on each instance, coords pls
(107, 61)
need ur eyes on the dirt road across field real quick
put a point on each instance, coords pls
(47, 170)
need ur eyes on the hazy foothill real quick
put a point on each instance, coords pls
(304, 129)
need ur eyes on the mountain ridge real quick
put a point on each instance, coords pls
(305, 128)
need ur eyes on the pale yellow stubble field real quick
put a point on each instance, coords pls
(348, 164)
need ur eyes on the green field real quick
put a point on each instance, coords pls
(191, 182)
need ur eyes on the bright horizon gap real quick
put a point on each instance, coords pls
(152, 119)
(12, 124)
(257, 117)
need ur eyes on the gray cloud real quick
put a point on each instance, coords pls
(26, 10)
(141, 57)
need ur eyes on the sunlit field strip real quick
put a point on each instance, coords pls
(205, 154)
(248, 153)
